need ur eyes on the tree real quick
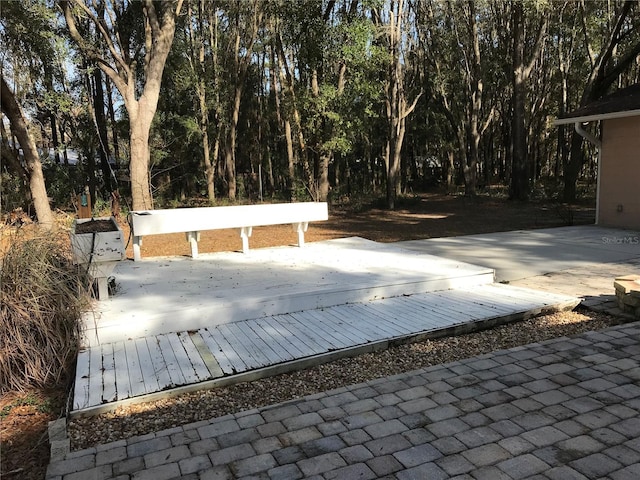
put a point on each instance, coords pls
(522, 67)
(20, 128)
(457, 83)
(196, 29)
(115, 48)
(26, 33)
(619, 50)
(246, 22)
(396, 107)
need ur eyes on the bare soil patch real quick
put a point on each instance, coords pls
(428, 215)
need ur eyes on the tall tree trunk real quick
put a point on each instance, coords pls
(101, 124)
(287, 79)
(519, 170)
(230, 154)
(241, 66)
(396, 108)
(197, 62)
(159, 28)
(521, 173)
(112, 119)
(54, 136)
(20, 129)
(139, 126)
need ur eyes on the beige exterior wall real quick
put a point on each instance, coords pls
(620, 173)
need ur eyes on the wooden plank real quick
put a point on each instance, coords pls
(273, 340)
(207, 357)
(333, 330)
(437, 313)
(499, 290)
(123, 385)
(303, 344)
(196, 361)
(109, 392)
(231, 335)
(81, 388)
(446, 306)
(488, 299)
(325, 326)
(252, 343)
(380, 328)
(430, 318)
(217, 351)
(466, 302)
(420, 317)
(347, 320)
(147, 368)
(159, 365)
(306, 335)
(277, 331)
(235, 357)
(256, 338)
(384, 325)
(170, 360)
(236, 216)
(381, 312)
(351, 335)
(182, 359)
(95, 376)
(135, 372)
(368, 330)
(412, 312)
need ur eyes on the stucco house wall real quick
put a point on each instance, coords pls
(619, 204)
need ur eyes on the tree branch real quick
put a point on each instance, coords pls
(537, 46)
(120, 80)
(408, 111)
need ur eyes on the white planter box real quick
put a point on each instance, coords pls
(98, 251)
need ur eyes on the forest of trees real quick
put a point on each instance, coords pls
(216, 100)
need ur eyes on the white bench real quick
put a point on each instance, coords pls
(244, 217)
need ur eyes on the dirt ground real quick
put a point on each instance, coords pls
(424, 216)
(24, 451)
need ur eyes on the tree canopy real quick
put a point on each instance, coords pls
(320, 99)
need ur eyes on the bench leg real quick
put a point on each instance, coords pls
(193, 238)
(300, 228)
(245, 233)
(103, 288)
(137, 243)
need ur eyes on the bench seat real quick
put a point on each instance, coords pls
(192, 221)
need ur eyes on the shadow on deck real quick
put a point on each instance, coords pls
(180, 325)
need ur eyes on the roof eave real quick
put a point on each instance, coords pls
(595, 117)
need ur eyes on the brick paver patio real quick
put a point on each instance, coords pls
(567, 408)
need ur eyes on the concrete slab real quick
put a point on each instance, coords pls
(522, 254)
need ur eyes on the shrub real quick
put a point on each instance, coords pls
(42, 296)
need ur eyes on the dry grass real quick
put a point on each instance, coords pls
(42, 295)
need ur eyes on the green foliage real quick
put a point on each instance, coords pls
(43, 405)
(28, 31)
(12, 191)
(343, 122)
(62, 182)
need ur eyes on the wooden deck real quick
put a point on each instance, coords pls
(163, 295)
(144, 368)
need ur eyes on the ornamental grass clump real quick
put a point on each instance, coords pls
(42, 296)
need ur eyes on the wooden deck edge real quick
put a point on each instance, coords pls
(307, 362)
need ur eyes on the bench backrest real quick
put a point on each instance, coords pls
(150, 222)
